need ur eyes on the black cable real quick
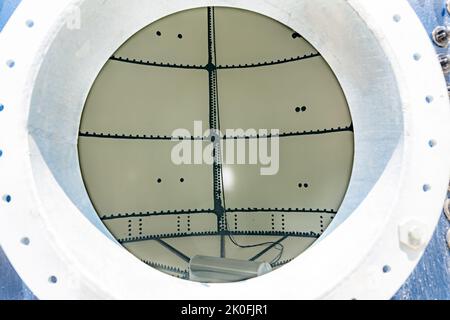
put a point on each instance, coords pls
(277, 246)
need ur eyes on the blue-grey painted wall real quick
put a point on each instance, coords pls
(431, 278)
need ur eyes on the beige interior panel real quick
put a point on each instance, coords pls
(279, 222)
(164, 100)
(122, 176)
(191, 49)
(247, 38)
(323, 162)
(268, 97)
(161, 226)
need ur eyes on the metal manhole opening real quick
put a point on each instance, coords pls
(216, 144)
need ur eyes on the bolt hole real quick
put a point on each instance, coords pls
(182, 180)
(10, 63)
(180, 36)
(159, 180)
(426, 188)
(387, 269)
(30, 23)
(25, 241)
(295, 35)
(7, 198)
(158, 33)
(53, 279)
(429, 99)
(432, 143)
(397, 18)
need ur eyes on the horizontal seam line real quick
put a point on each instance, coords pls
(215, 233)
(211, 211)
(174, 138)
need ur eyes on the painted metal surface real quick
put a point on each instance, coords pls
(7, 8)
(431, 279)
(11, 286)
(395, 43)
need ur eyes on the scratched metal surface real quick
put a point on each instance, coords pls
(431, 278)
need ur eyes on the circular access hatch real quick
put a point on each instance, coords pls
(204, 138)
